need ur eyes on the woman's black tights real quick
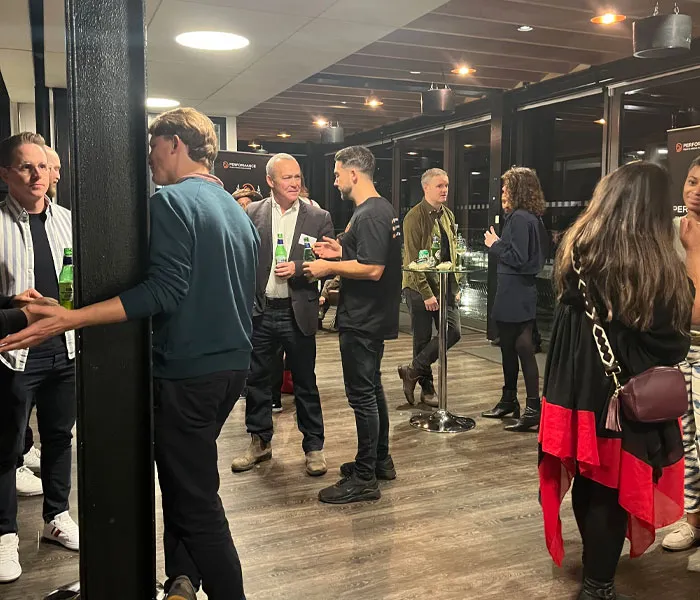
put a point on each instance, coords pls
(518, 348)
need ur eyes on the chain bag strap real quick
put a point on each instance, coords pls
(607, 357)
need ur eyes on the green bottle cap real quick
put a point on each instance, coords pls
(68, 252)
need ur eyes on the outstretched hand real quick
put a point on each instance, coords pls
(46, 321)
(328, 248)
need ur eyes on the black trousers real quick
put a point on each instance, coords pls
(602, 523)
(49, 383)
(275, 327)
(517, 345)
(426, 347)
(362, 363)
(189, 415)
(27, 444)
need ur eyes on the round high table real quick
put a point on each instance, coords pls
(441, 420)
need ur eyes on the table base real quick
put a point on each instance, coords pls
(443, 421)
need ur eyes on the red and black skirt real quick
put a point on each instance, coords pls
(644, 462)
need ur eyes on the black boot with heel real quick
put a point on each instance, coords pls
(507, 405)
(530, 421)
(598, 590)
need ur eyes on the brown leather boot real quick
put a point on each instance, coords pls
(410, 378)
(257, 452)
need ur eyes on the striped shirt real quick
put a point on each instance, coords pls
(17, 259)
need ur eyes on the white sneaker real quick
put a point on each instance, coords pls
(682, 538)
(63, 530)
(10, 569)
(28, 484)
(32, 459)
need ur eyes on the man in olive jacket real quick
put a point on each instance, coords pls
(428, 218)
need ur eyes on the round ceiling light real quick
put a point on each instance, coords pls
(321, 122)
(600, 121)
(609, 18)
(161, 103)
(284, 135)
(212, 40)
(373, 102)
(463, 70)
(525, 28)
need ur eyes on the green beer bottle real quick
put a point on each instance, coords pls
(309, 255)
(435, 251)
(280, 251)
(65, 280)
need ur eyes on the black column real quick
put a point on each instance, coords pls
(501, 131)
(41, 92)
(106, 87)
(62, 144)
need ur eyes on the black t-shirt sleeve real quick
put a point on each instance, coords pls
(11, 321)
(373, 234)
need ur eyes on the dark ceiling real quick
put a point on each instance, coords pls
(482, 34)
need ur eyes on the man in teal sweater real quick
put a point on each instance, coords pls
(199, 289)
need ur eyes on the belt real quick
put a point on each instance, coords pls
(278, 302)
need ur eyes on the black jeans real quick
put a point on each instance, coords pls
(602, 523)
(362, 363)
(48, 382)
(27, 444)
(275, 327)
(426, 347)
(517, 343)
(189, 415)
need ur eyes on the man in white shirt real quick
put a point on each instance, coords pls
(285, 314)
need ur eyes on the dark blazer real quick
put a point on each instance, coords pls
(312, 221)
(11, 319)
(521, 249)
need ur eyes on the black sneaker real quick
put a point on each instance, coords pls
(277, 405)
(384, 470)
(181, 589)
(350, 489)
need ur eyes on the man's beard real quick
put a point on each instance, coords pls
(346, 194)
(51, 192)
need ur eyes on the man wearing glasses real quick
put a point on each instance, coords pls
(33, 234)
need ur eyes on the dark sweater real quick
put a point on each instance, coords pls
(200, 282)
(11, 319)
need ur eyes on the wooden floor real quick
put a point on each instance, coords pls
(461, 521)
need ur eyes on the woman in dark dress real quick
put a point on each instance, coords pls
(520, 259)
(628, 482)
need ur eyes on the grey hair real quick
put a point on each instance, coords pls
(270, 167)
(430, 173)
(357, 157)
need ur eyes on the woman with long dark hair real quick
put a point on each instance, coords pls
(520, 258)
(627, 482)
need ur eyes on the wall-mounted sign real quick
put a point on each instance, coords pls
(683, 148)
(238, 168)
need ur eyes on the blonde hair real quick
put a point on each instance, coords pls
(194, 129)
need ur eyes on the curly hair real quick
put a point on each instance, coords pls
(524, 190)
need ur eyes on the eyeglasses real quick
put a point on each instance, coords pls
(26, 169)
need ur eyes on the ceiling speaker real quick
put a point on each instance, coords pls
(437, 102)
(333, 134)
(662, 36)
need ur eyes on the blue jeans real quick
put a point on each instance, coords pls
(48, 382)
(362, 362)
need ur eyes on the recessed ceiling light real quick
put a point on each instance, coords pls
(373, 102)
(463, 70)
(468, 145)
(404, 180)
(412, 153)
(640, 153)
(341, 106)
(253, 144)
(321, 122)
(344, 102)
(414, 72)
(609, 18)
(476, 172)
(212, 40)
(663, 150)
(161, 103)
(284, 135)
(525, 28)
(600, 121)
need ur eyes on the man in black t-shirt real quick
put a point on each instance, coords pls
(368, 314)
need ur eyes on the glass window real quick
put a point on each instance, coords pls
(563, 142)
(417, 156)
(471, 208)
